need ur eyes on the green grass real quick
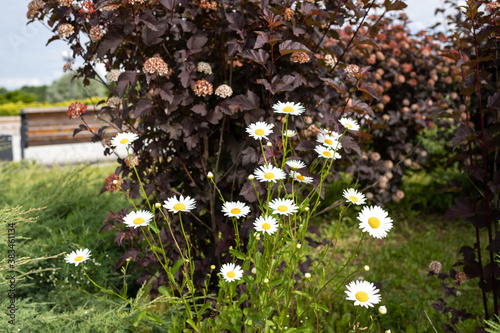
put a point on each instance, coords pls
(74, 212)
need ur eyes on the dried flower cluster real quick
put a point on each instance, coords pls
(155, 65)
(435, 267)
(204, 67)
(224, 91)
(65, 30)
(203, 88)
(34, 8)
(492, 6)
(87, 8)
(112, 183)
(204, 4)
(95, 33)
(113, 75)
(66, 3)
(300, 57)
(330, 61)
(114, 102)
(288, 14)
(76, 109)
(460, 277)
(133, 2)
(352, 70)
(67, 66)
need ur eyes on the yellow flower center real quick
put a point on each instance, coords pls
(269, 175)
(374, 222)
(79, 258)
(353, 198)
(124, 141)
(231, 274)
(329, 142)
(179, 206)
(349, 126)
(327, 154)
(283, 208)
(259, 131)
(235, 211)
(300, 177)
(266, 226)
(138, 220)
(362, 296)
(288, 109)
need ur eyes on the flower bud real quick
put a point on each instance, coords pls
(307, 275)
(269, 144)
(210, 175)
(158, 205)
(212, 267)
(382, 309)
(254, 270)
(251, 177)
(299, 246)
(266, 281)
(306, 209)
(366, 268)
(115, 182)
(387, 331)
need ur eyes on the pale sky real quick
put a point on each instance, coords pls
(27, 61)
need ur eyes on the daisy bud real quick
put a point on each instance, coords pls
(115, 182)
(254, 270)
(210, 175)
(230, 248)
(366, 268)
(387, 331)
(157, 205)
(269, 144)
(212, 267)
(307, 275)
(299, 246)
(306, 209)
(266, 281)
(257, 237)
(382, 309)
(128, 259)
(251, 177)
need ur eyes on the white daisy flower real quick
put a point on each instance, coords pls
(363, 293)
(327, 132)
(124, 139)
(326, 153)
(349, 123)
(138, 219)
(354, 196)
(266, 224)
(300, 178)
(183, 204)
(329, 141)
(231, 272)
(295, 164)
(283, 206)
(289, 108)
(78, 256)
(259, 130)
(235, 209)
(290, 133)
(375, 221)
(269, 173)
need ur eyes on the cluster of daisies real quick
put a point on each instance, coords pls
(373, 220)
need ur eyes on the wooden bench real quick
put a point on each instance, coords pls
(51, 125)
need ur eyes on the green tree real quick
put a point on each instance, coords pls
(60, 90)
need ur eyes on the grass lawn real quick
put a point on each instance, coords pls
(73, 215)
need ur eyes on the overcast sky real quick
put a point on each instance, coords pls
(27, 61)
